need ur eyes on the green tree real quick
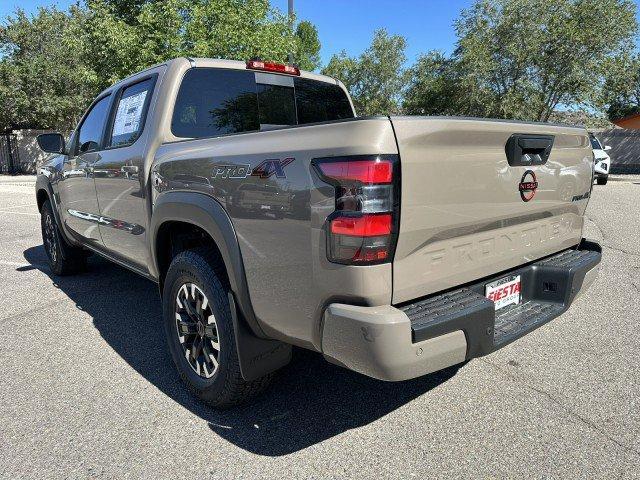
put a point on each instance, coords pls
(110, 47)
(237, 29)
(126, 10)
(44, 79)
(307, 53)
(376, 78)
(622, 89)
(433, 86)
(523, 58)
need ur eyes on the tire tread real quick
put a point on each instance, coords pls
(71, 260)
(235, 390)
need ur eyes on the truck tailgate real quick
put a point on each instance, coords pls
(467, 213)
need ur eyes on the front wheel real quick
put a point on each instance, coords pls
(199, 330)
(603, 180)
(63, 258)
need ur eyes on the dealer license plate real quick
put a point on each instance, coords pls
(503, 292)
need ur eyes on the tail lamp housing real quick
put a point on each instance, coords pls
(363, 228)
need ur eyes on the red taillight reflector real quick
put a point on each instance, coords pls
(273, 67)
(365, 171)
(363, 226)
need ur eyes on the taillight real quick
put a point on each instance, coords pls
(363, 227)
(273, 67)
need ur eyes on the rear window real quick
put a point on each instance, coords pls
(214, 102)
(276, 105)
(320, 102)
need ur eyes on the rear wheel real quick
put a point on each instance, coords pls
(603, 180)
(64, 259)
(200, 333)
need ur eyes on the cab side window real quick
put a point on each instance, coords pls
(130, 113)
(92, 128)
(215, 102)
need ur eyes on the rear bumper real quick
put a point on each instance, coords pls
(406, 341)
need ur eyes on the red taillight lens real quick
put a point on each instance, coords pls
(364, 171)
(273, 67)
(362, 230)
(363, 226)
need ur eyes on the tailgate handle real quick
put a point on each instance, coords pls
(524, 149)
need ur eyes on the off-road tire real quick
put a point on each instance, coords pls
(64, 259)
(226, 388)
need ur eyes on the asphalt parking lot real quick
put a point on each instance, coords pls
(87, 389)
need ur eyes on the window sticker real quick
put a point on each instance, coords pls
(129, 114)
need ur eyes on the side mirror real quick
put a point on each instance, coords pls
(607, 148)
(51, 142)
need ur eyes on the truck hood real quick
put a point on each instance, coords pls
(600, 154)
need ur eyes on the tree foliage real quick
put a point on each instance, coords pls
(53, 63)
(307, 53)
(44, 80)
(622, 89)
(526, 57)
(433, 86)
(522, 59)
(376, 78)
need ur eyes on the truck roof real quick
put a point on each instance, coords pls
(230, 64)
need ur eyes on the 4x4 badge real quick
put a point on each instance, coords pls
(266, 169)
(271, 167)
(528, 186)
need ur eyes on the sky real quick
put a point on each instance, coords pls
(349, 24)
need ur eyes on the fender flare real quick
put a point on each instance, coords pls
(206, 213)
(257, 354)
(43, 183)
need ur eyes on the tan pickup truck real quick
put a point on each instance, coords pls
(270, 216)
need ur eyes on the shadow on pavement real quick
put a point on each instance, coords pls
(309, 401)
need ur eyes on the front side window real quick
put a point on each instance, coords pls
(215, 102)
(92, 128)
(129, 118)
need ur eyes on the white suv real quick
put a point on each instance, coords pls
(602, 160)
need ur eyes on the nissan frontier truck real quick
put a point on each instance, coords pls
(271, 216)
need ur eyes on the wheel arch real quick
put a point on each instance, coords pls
(200, 211)
(44, 192)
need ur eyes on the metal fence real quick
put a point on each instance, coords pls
(625, 149)
(9, 154)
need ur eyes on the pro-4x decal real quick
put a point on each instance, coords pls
(266, 169)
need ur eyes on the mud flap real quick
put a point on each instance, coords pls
(257, 356)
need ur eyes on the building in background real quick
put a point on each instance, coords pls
(632, 122)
